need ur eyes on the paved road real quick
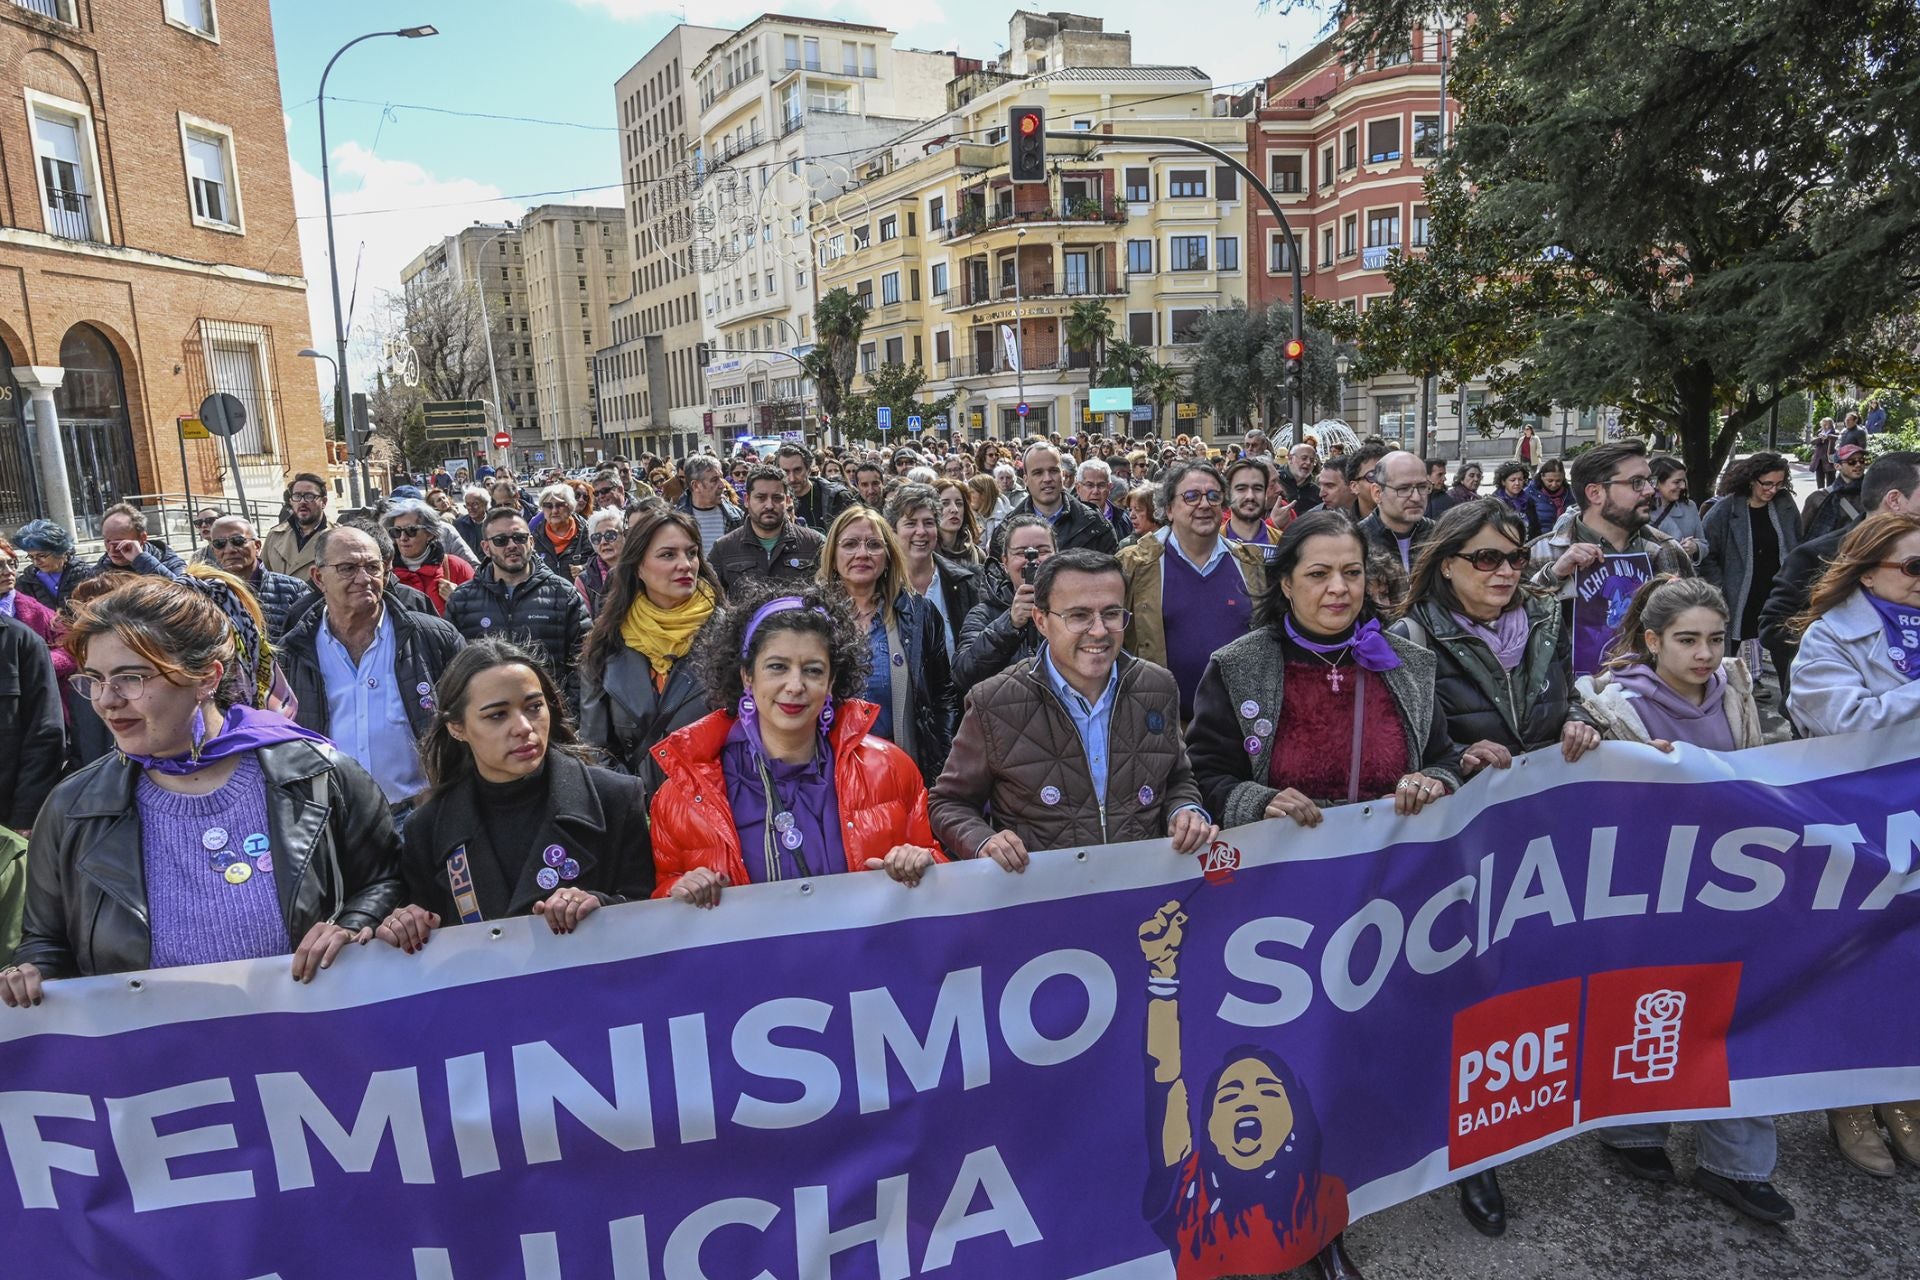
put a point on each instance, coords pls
(1575, 1216)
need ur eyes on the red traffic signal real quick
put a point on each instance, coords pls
(1027, 148)
(1029, 123)
(1295, 349)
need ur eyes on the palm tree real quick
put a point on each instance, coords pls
(1161, 383)
(1089, 329)
(837, 320)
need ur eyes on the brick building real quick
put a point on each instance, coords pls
(148, 256)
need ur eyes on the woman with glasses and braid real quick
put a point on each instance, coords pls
(197, 840)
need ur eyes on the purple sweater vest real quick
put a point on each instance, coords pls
(1200, 614)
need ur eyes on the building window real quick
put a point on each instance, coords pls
(943, 347)
(1326, 246)
(194, 15)
(863, 293)
(1140, 328)
(866, 358)
(1183, 325)
(1187, 253)
(1284, 174)
(1350, 149)
(896, 351)
(1140, 257)
(937, 276)
(1227, 252)
(1186, 184)
(889, 288)
(1279, 254)
(936, 214)
(862, 236)
(1383, 141)
(1419, 227)
(1326, 165)
(1383, 229)
(210, 184)
(1139, 185)
(1426, 137)
(63, 150)
(889, 228)
(1226, 183)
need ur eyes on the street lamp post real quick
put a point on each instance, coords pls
(1019, 331)
(333, 256)
(1340, 366)
(486, 325)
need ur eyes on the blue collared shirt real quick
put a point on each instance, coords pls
(367, 711)
(1090, 719)
(1220, 551)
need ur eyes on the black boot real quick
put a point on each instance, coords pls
(1334, 1262)
(1483, 1203)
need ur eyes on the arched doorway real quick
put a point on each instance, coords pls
(19, 486)
(92, 403)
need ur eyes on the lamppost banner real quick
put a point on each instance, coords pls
(1123, 1062)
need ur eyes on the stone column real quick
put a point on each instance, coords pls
(40, 382)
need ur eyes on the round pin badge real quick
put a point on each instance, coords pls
(1898, 655)
(1263, 726)
(783, 821)
(1252, 745)
(255, 844)
(548, 878)
(213, 838)
(1155, 722)
(1146, 795)
(239, 873)
(554, 855)
(223, 859)
(264, 862)
(1249, 709)
(899, 659)
(790, 839)
(1049, 795)
(423, 688)
(570, 870)
(486, 622)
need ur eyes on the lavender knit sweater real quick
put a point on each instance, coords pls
(194, 915)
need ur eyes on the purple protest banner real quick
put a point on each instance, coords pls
(1601, 595)
(1123, 1063)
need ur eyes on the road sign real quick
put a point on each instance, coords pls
(1022, 409)
(914, 422)
(194, 429)
(501, 440)
(884, 415)
(456, 413)
(939, 422)
(447, 435)
(223, 414)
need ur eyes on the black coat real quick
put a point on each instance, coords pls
(624, 715)
(825, 500)
(32, 729)
(1079, 526)
(597, 816)
(1793, 590)
(72, 576)
(960, 582)
(1522, 710)
(86, 909)
(930, 684)
(545, 613)
(573, 559)
(423, 646)
(738, 556)
(278, 595)
(989, 642)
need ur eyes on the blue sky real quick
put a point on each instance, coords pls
(404, 176)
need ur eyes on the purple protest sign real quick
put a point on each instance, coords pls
(1601, 595)
(1113, 1064)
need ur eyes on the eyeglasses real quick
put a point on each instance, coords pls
(1195, 497)
(1767, 486)
(1405, 490)
(1639, 484)
(407, 530)
(1486, 559)
(604, 493)
(509, 539)
(128, 686)
(233, 540)
(605, 536)
(306, 495)
(556, 506)
(348, 570)
(1080, 621)
(1910, 567)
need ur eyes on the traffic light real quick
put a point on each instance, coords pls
(702, 354)
(1296, 352)
(1027, 143)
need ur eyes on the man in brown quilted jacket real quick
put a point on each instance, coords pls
(1078, 745)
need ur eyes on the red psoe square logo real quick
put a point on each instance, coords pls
(1513, 1061)
(1656, 1039)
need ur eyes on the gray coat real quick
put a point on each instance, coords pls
(1249, 673)
(1729, 562)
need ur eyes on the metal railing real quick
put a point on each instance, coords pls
(970, 222)
(70, 215)
(1050, 360)
(1071, 284)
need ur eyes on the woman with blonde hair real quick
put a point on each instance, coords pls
(910, 680)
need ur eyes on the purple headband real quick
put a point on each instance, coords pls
(779, 604)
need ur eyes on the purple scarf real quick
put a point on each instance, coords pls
(242, 729)
(1507, 637)
(1903, 633)
(1368, 646)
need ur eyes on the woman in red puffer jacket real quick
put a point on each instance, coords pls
(420, 558)
(784, 781)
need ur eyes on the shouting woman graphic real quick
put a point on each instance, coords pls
(1249, 1197)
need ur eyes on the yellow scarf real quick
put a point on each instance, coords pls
(665, 635)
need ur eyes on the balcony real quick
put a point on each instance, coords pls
(972, 222)
(1048, 360)
(69, 215)
(793, 123)
(1072, 284)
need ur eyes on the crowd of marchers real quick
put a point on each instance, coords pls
(491, 696)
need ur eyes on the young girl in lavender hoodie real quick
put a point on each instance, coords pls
(1669, 680)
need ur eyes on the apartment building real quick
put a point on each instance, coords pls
(1346, 150)
(489, 260)
(652, 392)
(577, 264)
(148, 257)
(974, 276)
(785, 105)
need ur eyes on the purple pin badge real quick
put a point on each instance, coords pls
(554, 855)
(1049, 795)
(570, 870)
(1146, 795)
(1252, 745)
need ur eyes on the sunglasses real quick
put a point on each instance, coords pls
(605, 536)
(509, 539)
(407, 530)
(1910, 566)
(236, 540)
(604, 493)
(1486, 559)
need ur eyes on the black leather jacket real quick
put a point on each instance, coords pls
(624, 715)
(335, 854)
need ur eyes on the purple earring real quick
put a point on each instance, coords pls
(826, 713)
(747, 708)
(199, 733)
